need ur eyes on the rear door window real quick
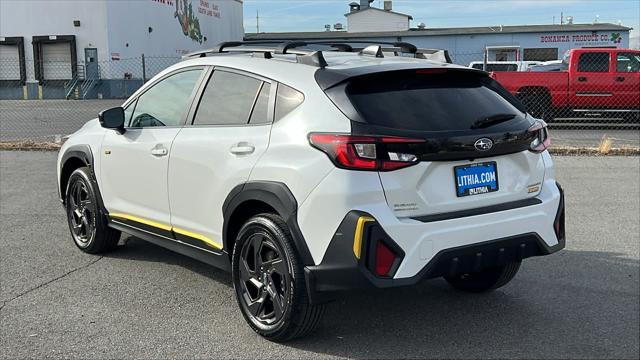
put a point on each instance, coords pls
(228, 99)
(260, 113)
(593, 62)
(426, 101)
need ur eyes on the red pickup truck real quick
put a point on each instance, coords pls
(593, 82)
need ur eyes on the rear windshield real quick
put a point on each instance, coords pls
(426, 101)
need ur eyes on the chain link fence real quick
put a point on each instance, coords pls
(43, 102)
(601, 112)
(597, 107)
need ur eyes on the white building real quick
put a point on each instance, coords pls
(47, 41)
(365, 18)
(465, 44)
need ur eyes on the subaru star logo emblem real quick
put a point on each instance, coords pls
(483, 144)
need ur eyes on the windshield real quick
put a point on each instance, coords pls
(426, 101)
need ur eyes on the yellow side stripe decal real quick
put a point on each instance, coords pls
(357, 237)
(167, 228)
(141, 221)
(198, 236)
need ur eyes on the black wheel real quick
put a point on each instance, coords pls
(486, 280)
(269, 281)
(86, 220)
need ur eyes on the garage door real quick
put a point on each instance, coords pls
(9, 62)
(56, 61)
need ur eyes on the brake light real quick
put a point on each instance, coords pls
(371, 153)
(385, 258)
(542, 140)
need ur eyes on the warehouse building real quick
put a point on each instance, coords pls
(467, 44)
(57, 49)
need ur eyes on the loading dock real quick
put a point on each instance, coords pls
(55, 57)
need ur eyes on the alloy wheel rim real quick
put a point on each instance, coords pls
(264, 279)
(81, 214)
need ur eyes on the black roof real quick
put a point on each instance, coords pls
(507, 29)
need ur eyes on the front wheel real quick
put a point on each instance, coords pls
(87, 222)
(486, 280)
(269, 281)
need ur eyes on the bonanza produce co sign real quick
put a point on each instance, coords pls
(591, 39)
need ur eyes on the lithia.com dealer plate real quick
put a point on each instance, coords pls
(476, 179)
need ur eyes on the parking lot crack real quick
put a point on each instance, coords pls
(5, 303)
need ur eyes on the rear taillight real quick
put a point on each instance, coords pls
(385, 258)
(374, 153)
(542, 140)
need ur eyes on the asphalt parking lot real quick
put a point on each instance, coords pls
(142, 301)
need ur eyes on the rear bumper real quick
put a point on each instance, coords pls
(340, 270)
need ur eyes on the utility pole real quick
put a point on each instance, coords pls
(257, 22)
(561, 18)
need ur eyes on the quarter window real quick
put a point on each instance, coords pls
(228, 100)
(287, 99)
(594, 62)
(167, 102)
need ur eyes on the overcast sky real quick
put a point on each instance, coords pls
(312, 15)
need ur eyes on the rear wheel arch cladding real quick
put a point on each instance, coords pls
(276, 196)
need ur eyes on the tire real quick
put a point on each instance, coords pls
(486, 280)
(86, 219)
(264, 254)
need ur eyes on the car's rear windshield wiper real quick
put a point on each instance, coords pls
(492, 120)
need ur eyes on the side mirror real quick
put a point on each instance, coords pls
(112, 119)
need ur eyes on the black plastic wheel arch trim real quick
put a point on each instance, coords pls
(279, 197)
(81, 152)
(562, 237)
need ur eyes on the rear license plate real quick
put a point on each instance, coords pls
(475, 179)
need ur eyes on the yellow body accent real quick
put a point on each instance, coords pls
(168, 228)
(25, 94)
(357, 237)
(199, 237)
(39, 92)
(141, 221)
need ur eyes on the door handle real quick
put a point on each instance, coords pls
(242, 148)
(619, 79)
(159, 151)
(582, 79)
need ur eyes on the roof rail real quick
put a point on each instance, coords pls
(308, 57)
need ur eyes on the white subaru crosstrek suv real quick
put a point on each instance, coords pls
(306, 173)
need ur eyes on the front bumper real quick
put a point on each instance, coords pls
(340, 270)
